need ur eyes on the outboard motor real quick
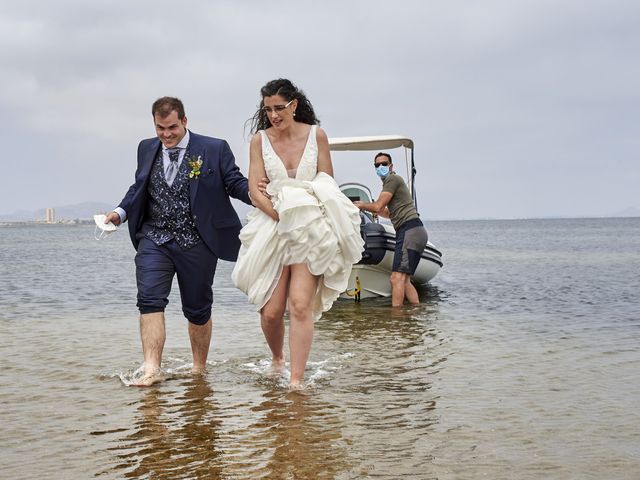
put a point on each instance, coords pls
(375, 241)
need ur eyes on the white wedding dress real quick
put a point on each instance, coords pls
(318, 226)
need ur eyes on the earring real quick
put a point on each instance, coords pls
(294, 113)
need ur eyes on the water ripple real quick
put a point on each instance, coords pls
(521, 362)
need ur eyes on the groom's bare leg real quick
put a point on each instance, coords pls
(272, 319)
(152, 334)
(200, 336)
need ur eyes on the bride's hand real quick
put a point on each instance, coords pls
(262, 186)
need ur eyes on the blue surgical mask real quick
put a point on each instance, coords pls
(382, 171)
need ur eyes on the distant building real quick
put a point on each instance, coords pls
(49, 215)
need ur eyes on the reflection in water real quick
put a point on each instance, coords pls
(296, 436)
(375, 319)
(381, 362)
(398, 354)
(471, 384)
(282, 434)
(175, 436)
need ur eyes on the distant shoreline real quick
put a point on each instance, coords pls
(594, 217)
(85, 221)
(42, 223)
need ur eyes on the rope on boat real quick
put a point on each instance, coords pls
(356, 291)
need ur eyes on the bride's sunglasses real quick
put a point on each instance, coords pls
(276, 108)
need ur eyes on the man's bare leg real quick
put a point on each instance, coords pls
(152, 334)
(410, 292)
(272, 320)
(200, 336)
(398, 281)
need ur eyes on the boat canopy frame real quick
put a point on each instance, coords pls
(379, 142)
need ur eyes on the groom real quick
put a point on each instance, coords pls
(181, 222)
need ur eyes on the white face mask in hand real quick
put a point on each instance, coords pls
(102, 229)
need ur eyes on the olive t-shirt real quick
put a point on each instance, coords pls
(401, 207)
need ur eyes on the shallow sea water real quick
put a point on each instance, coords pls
(522, 362)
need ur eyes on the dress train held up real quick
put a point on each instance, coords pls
(318, 226)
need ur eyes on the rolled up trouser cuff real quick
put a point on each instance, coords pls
(198, 318)
(145, 309)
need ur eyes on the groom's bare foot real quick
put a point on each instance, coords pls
(277, 364)
(277, 367)
(198, 370)
(150, 377)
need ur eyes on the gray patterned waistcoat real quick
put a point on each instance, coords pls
(169, 211)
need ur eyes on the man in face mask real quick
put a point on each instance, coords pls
(395, 202)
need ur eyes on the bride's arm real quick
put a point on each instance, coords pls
(324, 156)
(256, 173)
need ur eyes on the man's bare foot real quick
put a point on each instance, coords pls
(277, 369)
(149, 378)
(278, 366)
(198, 371)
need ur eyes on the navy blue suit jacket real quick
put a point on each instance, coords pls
(215, 218)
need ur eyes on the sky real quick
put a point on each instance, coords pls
(518, 108)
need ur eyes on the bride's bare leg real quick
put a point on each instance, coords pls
(272, 319)
(301, 324)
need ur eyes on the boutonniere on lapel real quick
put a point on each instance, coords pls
(194, 164)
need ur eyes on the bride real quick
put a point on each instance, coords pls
(298, 247)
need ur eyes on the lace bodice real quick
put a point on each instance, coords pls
(307, 168)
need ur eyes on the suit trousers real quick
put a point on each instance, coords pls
(195, 268)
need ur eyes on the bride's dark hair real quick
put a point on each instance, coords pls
(288, 91)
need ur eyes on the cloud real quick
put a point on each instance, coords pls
(517, 108)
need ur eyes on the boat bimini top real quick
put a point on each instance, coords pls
(380, 142)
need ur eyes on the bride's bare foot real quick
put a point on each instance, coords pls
(296, 387)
